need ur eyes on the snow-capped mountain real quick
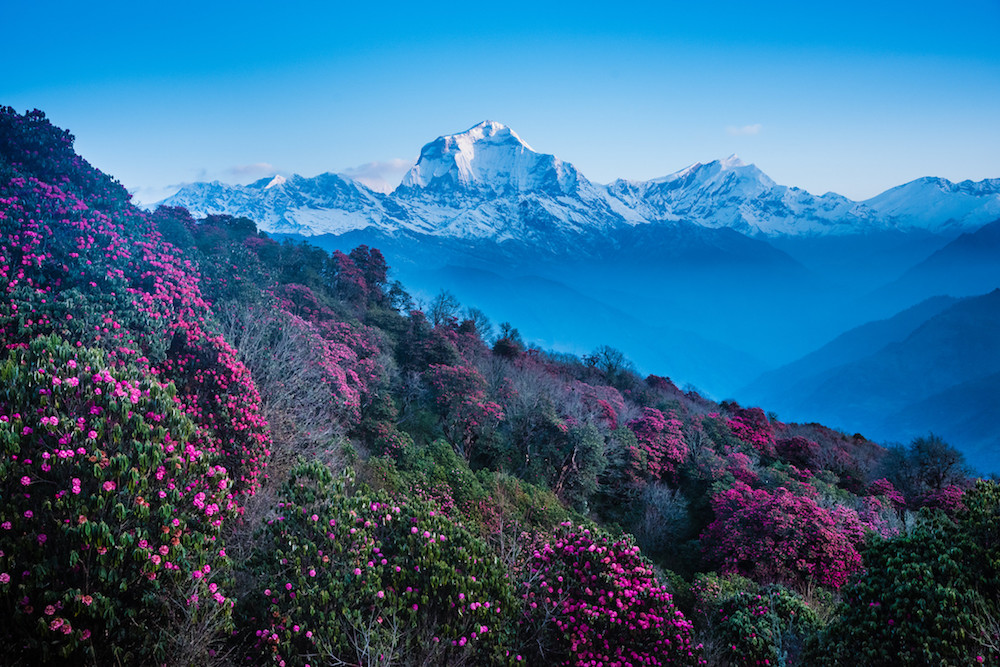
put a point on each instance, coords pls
(325, 204)
(959, 206)
(730, 193)
(488, 184)
(489, 158)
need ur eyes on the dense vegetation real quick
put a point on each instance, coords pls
(218, 449)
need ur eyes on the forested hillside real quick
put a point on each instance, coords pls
(216, 449)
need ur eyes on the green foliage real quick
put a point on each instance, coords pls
(113, 493)
(358, 577)
(106, 520)
(566, 460)
(747, 624)
(927, 598)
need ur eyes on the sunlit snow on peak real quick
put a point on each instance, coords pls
(489, 155)
(732, 162)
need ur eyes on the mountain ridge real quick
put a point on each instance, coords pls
(942, 350)
(486, 182)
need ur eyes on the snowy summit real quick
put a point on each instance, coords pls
(488, 156)
(488, 183)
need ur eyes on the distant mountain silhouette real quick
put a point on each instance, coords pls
(969, 265)
(942, 376)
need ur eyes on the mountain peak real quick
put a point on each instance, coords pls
(490, 130)
(488, 156)
(732, 162)
(716, 169)
(276, 181)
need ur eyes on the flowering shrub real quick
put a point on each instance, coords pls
(798, 451)
(662, 440)
(878, 516)
(77, 260)
(928, 597)
(883, 487)
(348, 280)
(598, 404)
(781, 537)
(357, 578)
(117, 483)
(373, 267)
(110, 513)
(742, 467)
(591, 600)
(948, 499)
(30, 144)
(752, 427)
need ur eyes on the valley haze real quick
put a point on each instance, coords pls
(714, 274)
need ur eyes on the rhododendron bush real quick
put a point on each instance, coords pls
(110, 514)
(101, 275)
(593, 600)
(157, 371)
(929, 597)
(781, 537)
(752, 427)
(662, 443)
(358, 578)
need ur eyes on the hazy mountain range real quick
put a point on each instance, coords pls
(715, 274)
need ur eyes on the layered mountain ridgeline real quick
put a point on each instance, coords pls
(754, 274)
(936, 363)
(219, 449)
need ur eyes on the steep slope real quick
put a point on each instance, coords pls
(964, 414)
(847, 348)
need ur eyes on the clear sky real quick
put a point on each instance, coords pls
(848, 96)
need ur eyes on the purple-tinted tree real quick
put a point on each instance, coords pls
(777, 536)
(662, 439)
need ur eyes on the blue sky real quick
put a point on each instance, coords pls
(851, 97)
